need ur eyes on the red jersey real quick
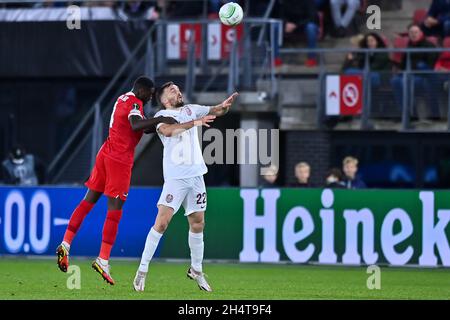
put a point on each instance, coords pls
(122, 140)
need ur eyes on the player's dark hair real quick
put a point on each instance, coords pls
(160, 91)
(143, 82)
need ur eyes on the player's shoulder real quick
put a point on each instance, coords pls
(164, 113)
(193, 109)
(196, 107)
(130, 99)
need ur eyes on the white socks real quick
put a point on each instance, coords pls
(66, 245)
(151, 244)
(197, 247)
(195, 244)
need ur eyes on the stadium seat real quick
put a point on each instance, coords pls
(399, 42)
(446, 42)
(419, 16)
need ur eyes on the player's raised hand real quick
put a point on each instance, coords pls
(205, 121)
(229, 101)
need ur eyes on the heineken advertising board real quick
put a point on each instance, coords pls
(352, 227)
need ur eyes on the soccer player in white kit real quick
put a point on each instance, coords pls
(183, 168)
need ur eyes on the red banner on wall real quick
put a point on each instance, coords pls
(178, 37)
(344, 95)
(220, 40)
(187, 31)
(351, 94)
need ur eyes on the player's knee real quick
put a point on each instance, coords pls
(197, 226)
(115, 204)
(161, 226)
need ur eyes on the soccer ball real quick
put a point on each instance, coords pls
(231, 14)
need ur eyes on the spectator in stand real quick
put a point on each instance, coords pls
(350, 168)
(443, 65)
(302, 173)
(140, 9)
(342, 21)
(421, 61)
(378, 62)
(19, 168)
(259, 9)
(334, 179)
(437, 22)
(352, 59)
(184, 9)
(270, 178)
(300, 16)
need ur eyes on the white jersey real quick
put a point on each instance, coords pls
(183, 156)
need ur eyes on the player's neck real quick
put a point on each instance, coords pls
(134, 93)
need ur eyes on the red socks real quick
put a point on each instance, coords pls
(76, 219)
(110, 229)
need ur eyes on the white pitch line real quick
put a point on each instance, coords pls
(60, 222)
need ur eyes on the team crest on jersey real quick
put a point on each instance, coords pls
(188, 111)
(136, 106)
(169, 198)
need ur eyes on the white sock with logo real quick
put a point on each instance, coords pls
(197, 247)
(151, 244)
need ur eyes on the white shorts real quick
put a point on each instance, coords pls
(190, 192)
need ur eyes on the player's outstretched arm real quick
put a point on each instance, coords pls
(149, 125)
(170, 130)
(222, 108)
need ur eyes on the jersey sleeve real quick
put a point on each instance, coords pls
(160, 114)
(135, 109)
(200, 111)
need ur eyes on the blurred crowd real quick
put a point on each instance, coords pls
(429, 29)
(341, 178)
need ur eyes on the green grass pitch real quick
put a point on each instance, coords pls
(41, 279)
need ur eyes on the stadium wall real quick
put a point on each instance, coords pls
(395, 227)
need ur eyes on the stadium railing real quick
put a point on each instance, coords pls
(432, 84)
(230, 72)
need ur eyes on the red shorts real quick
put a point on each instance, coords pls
(110, 177)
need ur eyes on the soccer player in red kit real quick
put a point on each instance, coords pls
(112, 172)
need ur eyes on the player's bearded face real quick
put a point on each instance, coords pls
(176, 98)
(179, 100)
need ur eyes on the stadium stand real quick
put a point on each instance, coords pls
(292, 93)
